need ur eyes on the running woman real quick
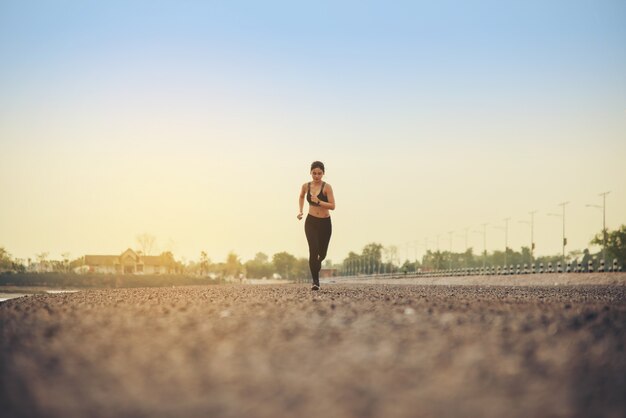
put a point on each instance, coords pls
(317, 226)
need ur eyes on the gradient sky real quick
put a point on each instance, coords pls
(197, 121)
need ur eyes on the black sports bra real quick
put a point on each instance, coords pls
(321, 196)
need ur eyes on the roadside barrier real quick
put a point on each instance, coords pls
(571, 267)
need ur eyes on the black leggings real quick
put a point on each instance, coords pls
(318, 231)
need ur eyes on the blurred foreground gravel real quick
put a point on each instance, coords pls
(351, 350)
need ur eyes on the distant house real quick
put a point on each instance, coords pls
(129, 262)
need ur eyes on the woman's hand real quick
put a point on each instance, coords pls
(300, 216)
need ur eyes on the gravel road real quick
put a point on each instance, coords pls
(350, 350)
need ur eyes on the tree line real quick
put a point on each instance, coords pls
(373, 259)
(378, 259)
(281, 265)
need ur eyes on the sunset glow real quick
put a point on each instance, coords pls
(197, 123)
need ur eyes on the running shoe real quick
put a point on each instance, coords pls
(315, 287)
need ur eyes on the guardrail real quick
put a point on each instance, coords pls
(504, 270)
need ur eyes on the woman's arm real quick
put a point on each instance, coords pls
(301, 201)
(330, 205)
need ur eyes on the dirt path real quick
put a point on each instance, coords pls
(351, 350)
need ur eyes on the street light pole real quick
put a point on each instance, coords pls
(484, 245)
(556, 215)
(466, 232)
(506, 238)
(450, 254)
(465, 248)
(562, 204)
(406, 252)
(425, 258)
(603, 207)
(532, 238)
(438, 252)
(532, 228)
(484, 232)
(604, 224)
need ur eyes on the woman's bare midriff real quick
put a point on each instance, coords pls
(318, 212)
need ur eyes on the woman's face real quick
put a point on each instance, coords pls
(317, 174)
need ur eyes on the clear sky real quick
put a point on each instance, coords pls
(197, 121)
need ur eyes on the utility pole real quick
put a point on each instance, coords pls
(466, 232)
(425, 258)
(603, 207)
(564, 239)
(505, 229)
(465, 248)
(532, 236)
(484, 245)
(506, 238)
(604, 224)
(438, 252)
(484, 232)
(564, 242)
(406, 252)
(532, 228)
(450, 254)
